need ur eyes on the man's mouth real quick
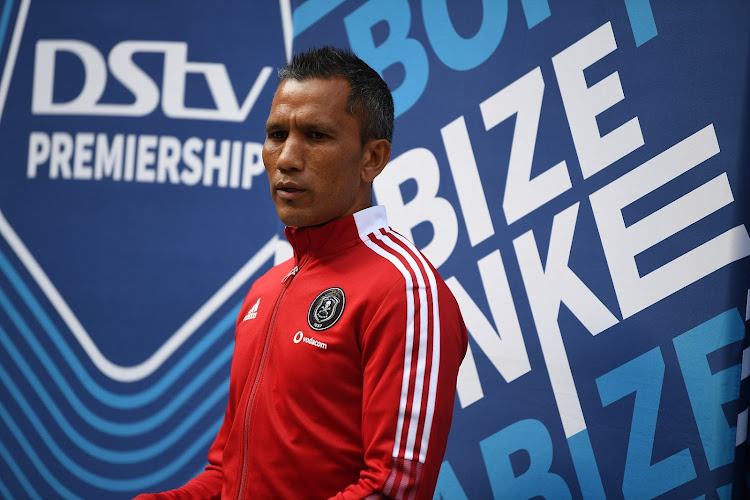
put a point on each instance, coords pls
(289, 190)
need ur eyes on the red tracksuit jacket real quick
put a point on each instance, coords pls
(344, 373)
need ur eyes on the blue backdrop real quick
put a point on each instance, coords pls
(573, 169)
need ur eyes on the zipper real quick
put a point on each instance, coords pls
(287, 280)
(290, 274)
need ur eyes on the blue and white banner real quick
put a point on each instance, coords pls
(573, 169)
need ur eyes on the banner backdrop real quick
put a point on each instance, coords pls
(573, 170)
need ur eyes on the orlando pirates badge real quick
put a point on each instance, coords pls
(326, 309)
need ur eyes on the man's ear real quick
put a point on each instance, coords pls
(376, 155)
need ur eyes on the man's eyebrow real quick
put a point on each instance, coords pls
(307, 126)
(319, 126)
(273, 126)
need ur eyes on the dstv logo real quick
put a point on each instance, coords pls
(145, 90)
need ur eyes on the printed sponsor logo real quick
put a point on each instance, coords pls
(123, 156)
(147, 94)
(300, 337)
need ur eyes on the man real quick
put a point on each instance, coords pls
(344, 370)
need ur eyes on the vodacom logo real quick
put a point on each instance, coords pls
(300, 337)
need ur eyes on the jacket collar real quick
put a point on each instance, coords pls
(337, 234)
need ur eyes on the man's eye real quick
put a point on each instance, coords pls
(277, 135)
(317, 135)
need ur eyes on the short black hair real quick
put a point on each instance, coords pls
(370, 100)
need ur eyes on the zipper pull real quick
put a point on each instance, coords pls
(290, 274)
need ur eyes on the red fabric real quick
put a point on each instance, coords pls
(324, 416)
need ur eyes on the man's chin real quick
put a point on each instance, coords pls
(295, 218)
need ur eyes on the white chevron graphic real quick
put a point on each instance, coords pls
(145, 368)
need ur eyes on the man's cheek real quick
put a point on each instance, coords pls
(265, 156)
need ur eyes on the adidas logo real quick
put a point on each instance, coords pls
(253, 312)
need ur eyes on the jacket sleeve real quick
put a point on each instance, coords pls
(411, 352)
(208, 484)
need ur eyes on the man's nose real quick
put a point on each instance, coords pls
(291, 156)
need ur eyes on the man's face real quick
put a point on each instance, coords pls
(313, 153)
